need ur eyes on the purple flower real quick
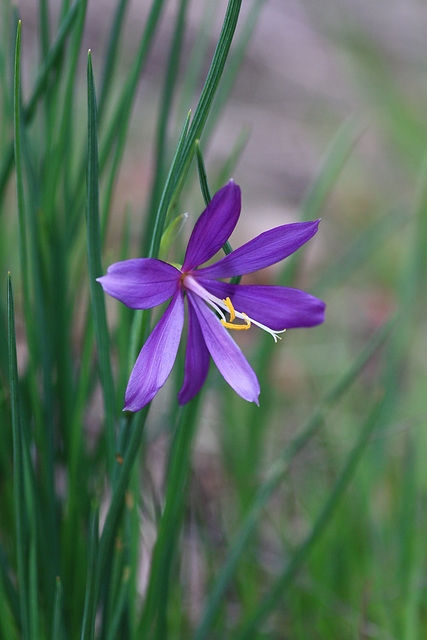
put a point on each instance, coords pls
(146, 282)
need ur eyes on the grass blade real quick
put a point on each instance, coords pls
(56, 622)
(18, 470)
(95, 269)
(163, 120)
(88, 624)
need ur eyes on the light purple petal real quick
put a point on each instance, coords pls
(156, 357)
(266, 249)
(141, 283)
(196, 359)
(227, 356)
(214, 226)
(276, 307)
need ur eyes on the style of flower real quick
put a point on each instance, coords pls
(144, 283)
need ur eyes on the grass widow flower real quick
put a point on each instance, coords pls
(144, 283)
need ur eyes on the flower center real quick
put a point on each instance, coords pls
(191, 284)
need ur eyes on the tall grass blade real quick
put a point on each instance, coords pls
(95, 269)
(88, 624)
(22, 542)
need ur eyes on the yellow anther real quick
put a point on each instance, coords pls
(230, 308)
(237, 327)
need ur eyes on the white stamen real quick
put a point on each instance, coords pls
(218, 304)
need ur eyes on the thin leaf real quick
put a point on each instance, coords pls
(88, 624)
(18, 467)
(95, 269)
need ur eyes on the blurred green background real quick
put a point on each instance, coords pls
(326, 116)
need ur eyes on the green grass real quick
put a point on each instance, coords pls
(304, 518)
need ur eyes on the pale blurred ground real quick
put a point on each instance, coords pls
(297, 85)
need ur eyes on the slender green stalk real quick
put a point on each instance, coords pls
(200, 116)
(88, 624)
(56, 622)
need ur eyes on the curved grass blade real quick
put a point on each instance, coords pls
(235, 62)
(181, 162)
(163, 120)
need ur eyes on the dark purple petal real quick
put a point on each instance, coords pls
(141, 283)
(227, 356)
(276, 307)
(196, 359)
(266, 249)
(214, 226)
(156, 357)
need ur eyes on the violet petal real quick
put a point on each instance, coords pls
(141, 283)
(227, 356)
(196, 359)
(268, 248)
(214, 226)
(276, 307)
(156, 357)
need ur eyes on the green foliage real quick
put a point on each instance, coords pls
(306, 519)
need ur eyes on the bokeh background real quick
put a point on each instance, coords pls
(313, 73)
